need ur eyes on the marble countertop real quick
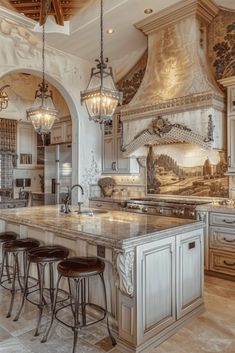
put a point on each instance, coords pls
(213, 207)
(113, 228)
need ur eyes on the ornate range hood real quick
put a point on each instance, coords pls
(178, 99)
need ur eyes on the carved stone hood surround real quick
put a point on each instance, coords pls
(178, 81)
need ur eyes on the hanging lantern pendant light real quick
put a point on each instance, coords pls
(101, 96)
(43, 112)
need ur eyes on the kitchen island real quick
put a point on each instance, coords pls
(154, 265)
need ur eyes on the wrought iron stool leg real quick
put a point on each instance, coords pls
(24, 294)
(52, 285)
(41, 273)
(83, 298)
(76, 313)
(45, 336)
(106, 311)
(7, 268)
(13, 289)
(4, 255)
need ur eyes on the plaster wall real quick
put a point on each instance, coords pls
(20, 51)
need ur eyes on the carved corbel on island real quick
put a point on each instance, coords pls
(124, 271)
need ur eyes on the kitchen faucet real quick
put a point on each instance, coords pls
(68, 198)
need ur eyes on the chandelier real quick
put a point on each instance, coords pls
(3, 98)
(42, 113)
(101, 96)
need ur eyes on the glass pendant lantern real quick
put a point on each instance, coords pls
(101, 96)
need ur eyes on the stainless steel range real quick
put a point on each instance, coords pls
(164, 207)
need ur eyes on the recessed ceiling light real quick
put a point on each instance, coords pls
(148, 11)
(110, 31)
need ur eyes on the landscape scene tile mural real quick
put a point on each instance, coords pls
(201, 173)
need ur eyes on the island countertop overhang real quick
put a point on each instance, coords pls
(114, 229)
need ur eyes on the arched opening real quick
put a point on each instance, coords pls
(18, 73)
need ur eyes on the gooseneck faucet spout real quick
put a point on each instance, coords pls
(79, 186)
(68, 197)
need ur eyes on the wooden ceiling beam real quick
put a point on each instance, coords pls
(59, 16)
(44, 11)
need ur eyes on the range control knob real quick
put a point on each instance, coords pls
(181, 212)
(145, 209)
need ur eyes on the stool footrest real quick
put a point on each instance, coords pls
(81, 325)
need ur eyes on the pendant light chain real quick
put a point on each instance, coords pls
(43, 62)
(101, 43)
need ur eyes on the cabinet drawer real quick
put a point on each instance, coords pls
(222, 219)
(222, 262)
(222, 238)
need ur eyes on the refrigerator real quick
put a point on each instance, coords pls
(57, 172)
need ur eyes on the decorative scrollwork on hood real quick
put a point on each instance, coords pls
(162, 131)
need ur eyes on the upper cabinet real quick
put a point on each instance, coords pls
(62, 131)
(229, 83)
(113, 161)
(26, 145)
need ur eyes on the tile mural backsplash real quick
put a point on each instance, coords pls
(186, 170)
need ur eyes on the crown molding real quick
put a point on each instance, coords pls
(17, 18)
(206, 10)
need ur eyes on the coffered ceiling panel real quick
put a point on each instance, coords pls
(38, 10)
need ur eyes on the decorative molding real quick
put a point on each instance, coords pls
(206, 10)
(175, 105)
(202, 216)
(124, 269)
(162, 131)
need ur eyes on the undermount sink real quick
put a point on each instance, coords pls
(92, 212)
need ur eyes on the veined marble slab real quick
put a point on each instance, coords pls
(114, 228)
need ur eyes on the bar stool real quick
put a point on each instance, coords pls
(79, 269)
(16, 247)
(6, 236)
(42, 256)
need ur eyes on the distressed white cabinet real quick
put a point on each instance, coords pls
(62, 131)
(113, 161)
(222, 243)
(156, 286)
(189, 274)
(26, 145)
(170, 280)
(229, 83)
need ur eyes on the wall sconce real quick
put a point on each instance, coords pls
(3, 98)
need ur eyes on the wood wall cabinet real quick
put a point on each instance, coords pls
(62, 131)
(229, 83)
(113, 161)
(222, 243)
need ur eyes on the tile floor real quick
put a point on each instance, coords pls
(212, 332)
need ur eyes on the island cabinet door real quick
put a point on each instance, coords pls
(189, 271)
(155, 287)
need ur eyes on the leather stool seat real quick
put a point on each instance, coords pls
(81, 266)
(50, 253)
(6, 236)
(20, 244)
